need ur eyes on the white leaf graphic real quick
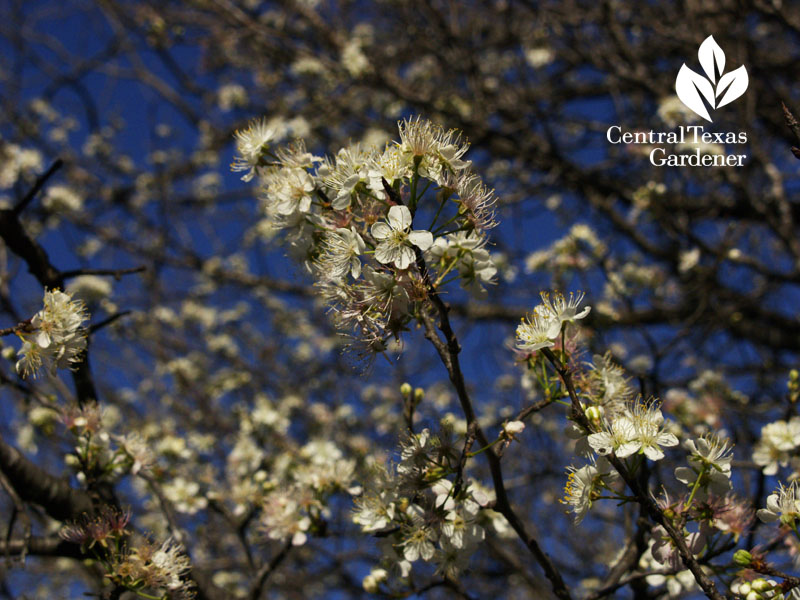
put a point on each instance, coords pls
(687, 85)
(709, 53)
(737, 80)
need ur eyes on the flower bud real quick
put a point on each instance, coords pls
(372, 582)
(419, 394)
(761, 585)
(513, 428)
(742, 558)
(595, 414)
(405, 390)
(41, 416)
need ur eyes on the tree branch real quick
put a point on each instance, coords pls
(37, 186)
(642, 497)
(448, 352)
(36, 485)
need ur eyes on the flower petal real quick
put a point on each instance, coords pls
(421, 239)
(385, 253)
(685, 475)
(405, 257)
(766, 516)
(601, 442)
(399, 218)
(653, 452)
(666, 439)
(625, 450)
(380, 231)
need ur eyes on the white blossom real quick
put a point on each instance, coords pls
(339, 254)
(172, 564)
(418, 537)
(583, 485)
(777, 440)
(62, 199)
(639, 429)
(537, 331)
(89, 288)
(342, 175)
(251, 145)
(184, 495)
(513, 428)
(710, 458)
(563, 309)
(56, 338)
(288, 191)
(783, 505)
(395, 239)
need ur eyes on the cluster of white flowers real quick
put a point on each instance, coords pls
(639, 428)
(676, 585)
(55, 337)
(286, 514)
(762, 589)
(185, 495)
(428, 517)
(289, 489)
(543, 326)
(778, 442)
(576, 251)
(168, 564)
(294, 491)
(133, 562)
(62, 199)
(90, 288)
(16, 162)
(350, 218)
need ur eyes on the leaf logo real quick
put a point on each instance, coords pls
(693, 88)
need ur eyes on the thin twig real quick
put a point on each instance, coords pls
(19, 510)
(37, 186)
(267, 570)
(115, 273)
(21, 327)
(462, 461)
(792, 123)
(108, 321)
